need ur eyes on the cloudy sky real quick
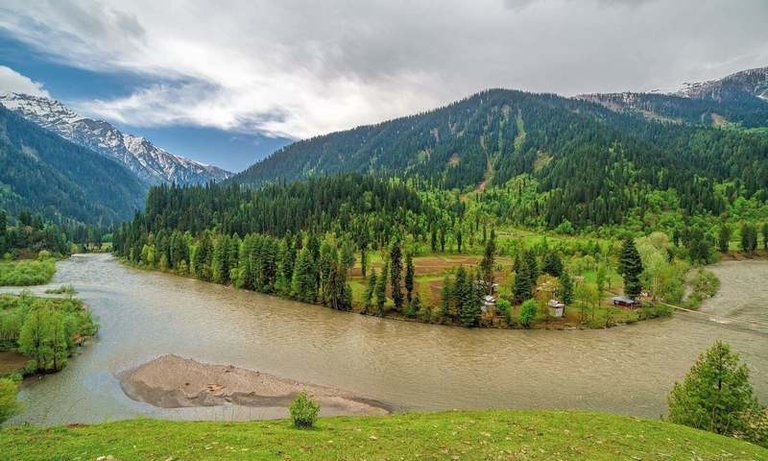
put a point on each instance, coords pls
(227, 82)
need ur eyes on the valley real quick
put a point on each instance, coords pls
(409, 366)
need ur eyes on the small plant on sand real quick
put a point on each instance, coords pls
(304, 411)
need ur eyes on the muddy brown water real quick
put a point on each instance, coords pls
(142, 315)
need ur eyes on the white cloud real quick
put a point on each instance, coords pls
(300, 68)
(13, 82)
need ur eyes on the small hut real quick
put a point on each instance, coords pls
(625, 301)
(556, 308)
(489, 303)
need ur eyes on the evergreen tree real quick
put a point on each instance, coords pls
(488, 262)
(381, 291)
(469, 311)
(396, 271)
(409, 274)
(765, 236)
(566, 288)
(459, 239)
(748, 238)
(715, 395)
(724, 238)
(552, 264)
(370, 289)
(523, 280)
(533, 268)
(630, 267)
(304, 280)
(446, 298)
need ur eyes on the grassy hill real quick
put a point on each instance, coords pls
(520, 435)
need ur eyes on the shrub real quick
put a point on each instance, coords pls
(8, 403)
(528, 312)
(304, 410)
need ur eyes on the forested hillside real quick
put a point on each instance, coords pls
(586, 164)
(44, 173)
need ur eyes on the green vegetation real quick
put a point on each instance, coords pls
(524, 435)
(717, 396)
(27, 272)
(303, 411)
(46, 330)
(372, 245)
(8, 403)
(67, 289)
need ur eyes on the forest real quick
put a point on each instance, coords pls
(392, 247)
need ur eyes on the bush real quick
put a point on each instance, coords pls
(304, 411)
(528, 312)
(705, 283)
(8, 403)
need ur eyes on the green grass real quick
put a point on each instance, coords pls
(26, 272)
(516, 435)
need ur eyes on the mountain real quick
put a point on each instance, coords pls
(149, 162)
(740, 98)
(42, 172)
(583, 162)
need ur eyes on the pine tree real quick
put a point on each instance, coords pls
(446, 299)
(396, 271)
(370, 290)
(715, 395)
(630, 267)
(724, 238)
(566, 288)
(748, 238)
(381, 291)
(765, 236)
(409, 274)
(304, 281)
(488, 262)
(552, 264)
(523, 283)
(469, 311)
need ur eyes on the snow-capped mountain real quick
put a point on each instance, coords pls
(739, 99)
(149, 162)
(752, 82)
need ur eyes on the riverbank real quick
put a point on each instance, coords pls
(170, 381)
(529, 435)
(414, 366)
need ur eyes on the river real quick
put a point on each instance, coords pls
(626, 370)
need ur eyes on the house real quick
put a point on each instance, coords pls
(556, 308)
(625, 301)
(489, 302)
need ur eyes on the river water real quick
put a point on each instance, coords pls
(626, 370)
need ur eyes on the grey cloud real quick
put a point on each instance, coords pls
(304, 67)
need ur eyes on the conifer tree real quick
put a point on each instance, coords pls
(724, 238)
(370, 289)
(396, 271)
(381, 291)
(488, 262)
(716, 395)
(552, 265)
(409, 274)
(304, 281)
(630, 268)
(566, 288)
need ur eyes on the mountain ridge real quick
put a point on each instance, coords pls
(152, 164)
(42, 172)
